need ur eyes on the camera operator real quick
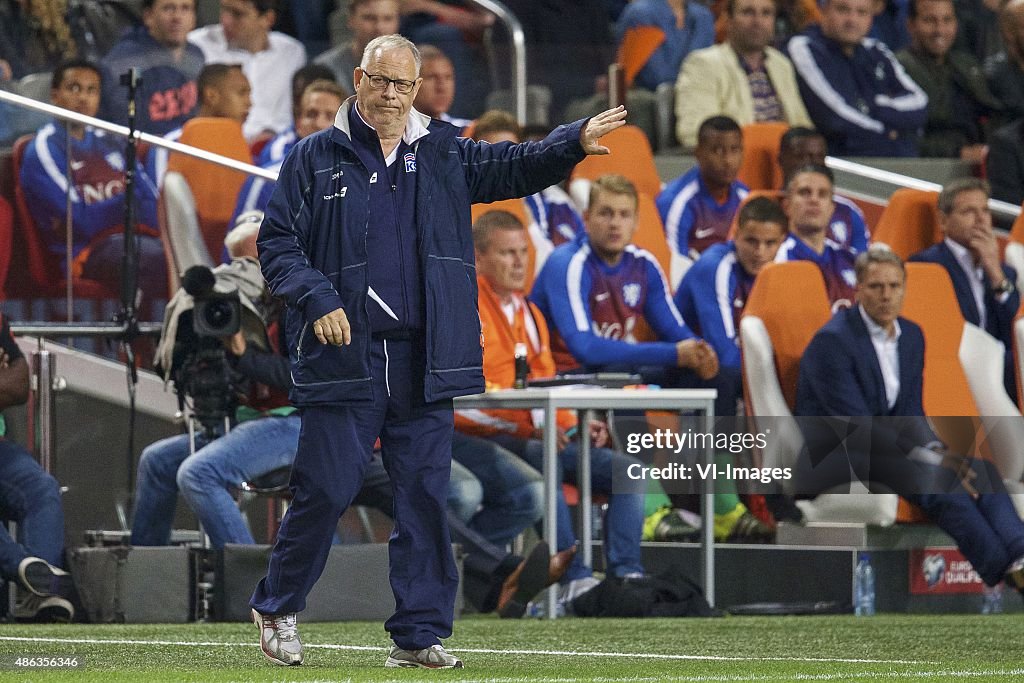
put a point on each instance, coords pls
(263, 440)
(495, 579)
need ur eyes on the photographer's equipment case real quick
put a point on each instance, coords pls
(353, 587)
(126, 585)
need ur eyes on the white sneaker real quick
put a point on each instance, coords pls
(41, 578)
(46, 609)
(433, 657)
(576, 588)
(279, 638)
(566, 594)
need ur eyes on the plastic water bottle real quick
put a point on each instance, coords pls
(992, 599)
(864, 587)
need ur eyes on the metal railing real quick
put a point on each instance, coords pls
(122, 131)
(515, 31)
(998, 207)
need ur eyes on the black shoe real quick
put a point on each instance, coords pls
(749, 529)
(528, 579)
(41, 578)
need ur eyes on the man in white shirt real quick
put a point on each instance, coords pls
(859, 398)
(268, 59)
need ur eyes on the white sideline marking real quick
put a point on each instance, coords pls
(761, 677)
(753, 677)
(554, 653)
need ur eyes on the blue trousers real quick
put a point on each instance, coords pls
(987, 529)
(31, 498)
(335, 447)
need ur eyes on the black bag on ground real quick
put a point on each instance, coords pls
(669, 594)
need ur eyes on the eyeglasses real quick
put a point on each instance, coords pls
(377, 82)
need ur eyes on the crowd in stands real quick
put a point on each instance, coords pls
(571, 277)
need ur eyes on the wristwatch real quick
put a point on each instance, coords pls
(1005, 286)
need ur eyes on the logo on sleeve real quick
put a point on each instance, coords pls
(337, 195)
(410, 162)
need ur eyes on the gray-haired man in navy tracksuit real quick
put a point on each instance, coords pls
(367, 237)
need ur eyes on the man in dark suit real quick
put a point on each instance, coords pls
(984, 285)
(859, 393)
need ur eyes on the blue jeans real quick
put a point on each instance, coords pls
(250, 450)
(512, 496)
(625, 519)
(465, 493)
(31, 498)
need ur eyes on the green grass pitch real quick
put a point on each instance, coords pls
(881, 648)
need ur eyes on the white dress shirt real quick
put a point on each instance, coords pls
(887, 349)
(269, 72)
(975, 275)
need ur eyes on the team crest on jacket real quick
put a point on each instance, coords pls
(838, 230)
(410, 162)
(115, 161)
(631, 294)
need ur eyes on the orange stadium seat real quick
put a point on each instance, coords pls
(910, 222)
(650, 236)
(638, 44)
(871, 208)
(650, 233)
(963, 375)
(787, 306)
(214, 187)
(790, 301)
(630, 156)
(1014, 250)
(760, 169)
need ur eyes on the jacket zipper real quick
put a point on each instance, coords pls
(401, 255)
(298, 347)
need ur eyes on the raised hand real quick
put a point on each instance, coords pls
(599, 126)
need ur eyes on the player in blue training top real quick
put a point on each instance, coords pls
(96, 192)
(808, 204)
(596, 291)
(715, 290)
(697, 208)
(801, 146)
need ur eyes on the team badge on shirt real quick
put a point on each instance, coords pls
(838, 230)
(115, 161)
(631, 294)
(410, 162)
